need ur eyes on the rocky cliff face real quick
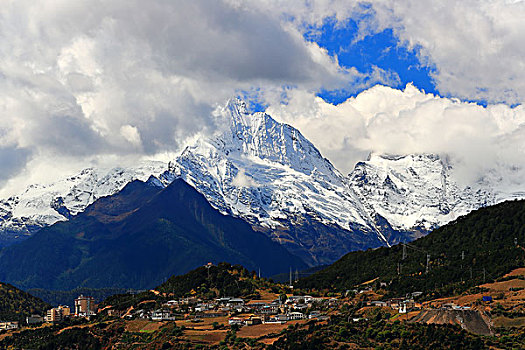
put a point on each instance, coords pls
(270, 175)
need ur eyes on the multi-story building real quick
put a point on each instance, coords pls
(8, 325)
(34, 319)
(57, 314)
(85, 306)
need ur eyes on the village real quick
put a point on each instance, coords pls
(85, 307)
(237, 311)
(267, 311)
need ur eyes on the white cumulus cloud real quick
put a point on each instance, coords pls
(386, 120)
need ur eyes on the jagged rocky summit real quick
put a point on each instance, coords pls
(270, 175)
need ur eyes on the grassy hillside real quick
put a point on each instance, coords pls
(475, 248)
(15, 304)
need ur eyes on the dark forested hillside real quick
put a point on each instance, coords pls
(136, 239)
(207, 282)
(224, 279)
(15, 304)
(480, 246)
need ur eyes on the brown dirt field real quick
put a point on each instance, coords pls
(146, 325)
(506, 285)
(89, 325)
(264, 329)
(267, 295)
(463, 300)
(6, 334)
(509, 322)
(153, 326)
(269, 341)
(517, 272)
(205, 324)
(209, 337)
(517, 296)
(407, 316)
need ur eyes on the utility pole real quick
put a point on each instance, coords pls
(462, 258)
(290, 276)
(208, 266)
(483, 275)
(398, 268)
(296, 275)
(259, 272)
(404, 251)
(428, 262)
(471, 272)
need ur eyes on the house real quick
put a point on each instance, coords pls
(255, 305)
(300, 307)
(314, 314)
(394, 302)
(57, 314)
(236, 321)
(350, 292)
(8, 325)
(140, 313)
(85, 306)
(213, 313)
(34, 319)
(223, 301)
(235, 302)
(406, 306)
(253, 320)
(162, 315)
(295, 316)
(281, 319)
(378, 303)
(188, 301)
(201, 307)
(269, 310)
(172, 303)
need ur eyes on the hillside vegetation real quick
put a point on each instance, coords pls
(476, 248)
(15, 304)
(136, 239)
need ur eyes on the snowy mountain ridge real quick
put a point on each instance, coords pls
(270, 175)
(41, 205)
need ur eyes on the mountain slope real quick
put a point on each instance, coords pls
(482, 245)
(15, 304)
(41, 205)
(135, 239)
(416, 192)
(270, 175)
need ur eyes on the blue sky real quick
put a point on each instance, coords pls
(378, 50)
(382, 50)
(136, 79)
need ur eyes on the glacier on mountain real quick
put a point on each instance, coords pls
(42, 205)
(270, 175)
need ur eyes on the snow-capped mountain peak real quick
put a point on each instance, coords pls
(259, 135)
(41, 205)
(270, 175)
